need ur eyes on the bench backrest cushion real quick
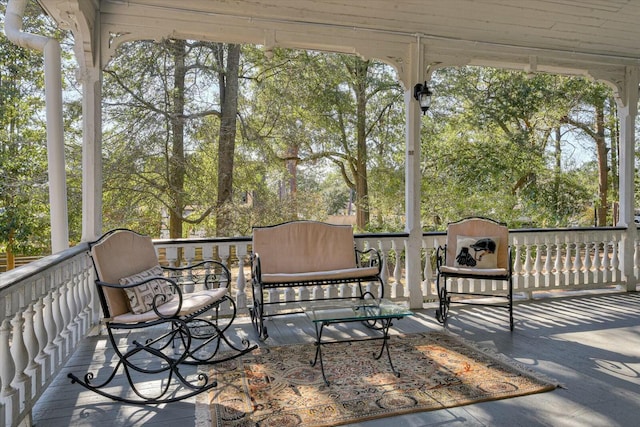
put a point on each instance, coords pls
(483, 229)
(119, 255)
(304, 246)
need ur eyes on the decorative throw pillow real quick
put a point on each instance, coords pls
(477, 252)
(141, 297)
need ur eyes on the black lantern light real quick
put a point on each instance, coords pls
(422, 94)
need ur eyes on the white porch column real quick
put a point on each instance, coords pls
(627, 112)
(55, 124)
(413, 181)
(91, 79)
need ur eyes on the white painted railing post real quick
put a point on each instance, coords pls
(31, 344)
(42, 358)
(20, 356)
(8, 394)
(241, 283)
(50, 325)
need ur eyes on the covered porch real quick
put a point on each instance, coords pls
(49, 307)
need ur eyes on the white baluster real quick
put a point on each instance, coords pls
(527, 259)
(548, 265)
(171, 253)
(517, 256)
(85, 298)
(241, 294)
(577, 262)
(31, 344)
(397, 268)
(21, 380)
(41, 335)
(75, 325)
(63, 306)
(558, 262)
(189, 254)
(587, 262)
(384, 248)
(615, 260)
(516, 252)
(428, 272)
(7, 371)
(636, 260)
(52, 333)
(224, 252)
(289, 294)
(58, 321)
(537, 264)
(567, 263)
(597, 261)
(606, 262)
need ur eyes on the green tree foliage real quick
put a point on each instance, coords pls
(490, 149)
(332, 112)
(160, 95)
(24, 209)
(319, 134)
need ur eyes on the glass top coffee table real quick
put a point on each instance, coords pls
(376, 314)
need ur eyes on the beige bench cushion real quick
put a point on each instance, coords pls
(346, 273)
(304, 246)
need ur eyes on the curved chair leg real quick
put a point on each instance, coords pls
(443, 301)
(510, 303)
(257, 319)
(145, 362)
(208, 337)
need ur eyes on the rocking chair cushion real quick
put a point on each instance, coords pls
(191, 303)
(141, 297)
(470, 272)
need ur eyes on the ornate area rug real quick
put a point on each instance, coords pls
(278, 387)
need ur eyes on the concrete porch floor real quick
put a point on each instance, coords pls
(590, 344)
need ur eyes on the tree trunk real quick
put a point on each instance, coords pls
(11, 257)
(558, 167)
(228, 82)
(177, 160)
(603, 170)
(362, 188)
(292, 171)
(615, 147)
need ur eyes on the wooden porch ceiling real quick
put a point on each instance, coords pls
(599, 38)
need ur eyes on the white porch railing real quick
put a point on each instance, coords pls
(48, 306)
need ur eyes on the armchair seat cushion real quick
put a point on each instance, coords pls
(190, 304)
(344, 273)
(468, 271)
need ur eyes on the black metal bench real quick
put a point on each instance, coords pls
(297, 255)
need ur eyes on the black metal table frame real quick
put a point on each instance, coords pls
(386, 323)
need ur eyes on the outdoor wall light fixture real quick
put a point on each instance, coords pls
(422, 94)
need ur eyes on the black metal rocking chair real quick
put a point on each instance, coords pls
(153, 325)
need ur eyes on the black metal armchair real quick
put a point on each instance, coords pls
(476, 249)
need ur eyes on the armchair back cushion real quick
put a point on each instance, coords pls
(484, 230)
(120, 255)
